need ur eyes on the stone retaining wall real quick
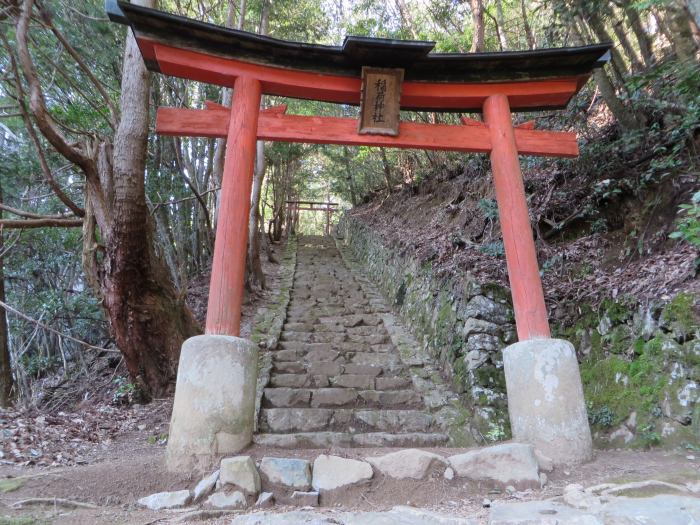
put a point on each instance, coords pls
(462, 323)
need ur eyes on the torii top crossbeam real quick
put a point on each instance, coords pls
(494, 84)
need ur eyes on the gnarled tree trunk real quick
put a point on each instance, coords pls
(148, 318)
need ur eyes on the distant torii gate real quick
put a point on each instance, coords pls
(294, 207)
(547, 408)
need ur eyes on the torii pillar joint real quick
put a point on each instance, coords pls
(220, 365)
(545, 395)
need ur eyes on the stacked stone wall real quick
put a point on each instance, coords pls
(463, 323)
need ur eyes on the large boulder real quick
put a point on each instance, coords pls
(409, 463)
(507, 464)
(333, 472)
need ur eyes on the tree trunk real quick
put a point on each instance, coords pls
(617, 63)
(643, 39)
(503, 39)
(478, 25)
(626, 119)
(6, 382)
(406, 18)
(387, 170)
(256, 275)
(526, 24)
(631, 54)
(679, 21)
(255, 266)
(148, 317)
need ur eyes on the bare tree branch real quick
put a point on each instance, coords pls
(65, 199)
(40, 223)
(37, 103)
(28, 214)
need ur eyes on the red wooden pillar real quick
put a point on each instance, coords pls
(521, 257)
(228, 266)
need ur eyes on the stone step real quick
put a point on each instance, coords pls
(341, 398)
(390, 377)
(285, 420)
(324, 440)
(336, 374)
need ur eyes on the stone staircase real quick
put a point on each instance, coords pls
(344, 373)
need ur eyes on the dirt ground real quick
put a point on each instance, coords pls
(130, 466)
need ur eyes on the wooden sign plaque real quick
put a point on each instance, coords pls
(380, 101)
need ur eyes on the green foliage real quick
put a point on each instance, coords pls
(489, 207)
(600, 416)
(689, 225)
(125, 393)
(494, 249)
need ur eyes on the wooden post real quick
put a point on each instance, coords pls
(228, 266)
(521, 257)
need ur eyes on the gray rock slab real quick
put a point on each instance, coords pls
(205, 486)
(540, 513)
(507, 464)
(265, 500)
(330, 397)
(405, 516)
(292, 473)
(240, 472)
(287, 397)
(304, 498)
(410, 463)
(333, 472)
(395, 516)
(295, 419)
(222, 500)
(166, 500)
(657, 510)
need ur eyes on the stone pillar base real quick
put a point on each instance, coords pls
(545, 399)
(214, 408)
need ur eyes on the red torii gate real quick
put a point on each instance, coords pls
(494, 84)
(254, 65)
(294, 207)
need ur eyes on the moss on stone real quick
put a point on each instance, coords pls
(617, 386)
(680, 314)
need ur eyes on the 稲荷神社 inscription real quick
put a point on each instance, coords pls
(380, 103)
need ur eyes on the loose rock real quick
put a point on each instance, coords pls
(305, 499)
(410, 463)
(221, 500)
(576, 497)
(240, 472)
(265, 500)
(508, 464)
(293, 473)
(332, 472)
(166, 500)
(205, 486)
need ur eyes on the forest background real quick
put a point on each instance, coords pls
(104, 225)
